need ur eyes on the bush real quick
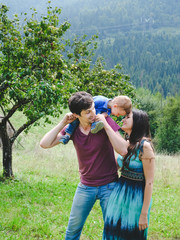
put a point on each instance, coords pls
(168, 133)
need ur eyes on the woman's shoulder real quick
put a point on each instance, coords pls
(147, 149)
(145, 143)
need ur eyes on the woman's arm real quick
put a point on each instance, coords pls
(51, 138)
(119, 144)
(148, 160)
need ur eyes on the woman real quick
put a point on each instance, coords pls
(127, 214)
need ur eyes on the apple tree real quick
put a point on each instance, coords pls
(33, 72)
(39, 70)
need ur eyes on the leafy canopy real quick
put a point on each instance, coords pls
(168, 134)
(40, 69)
(32, 64)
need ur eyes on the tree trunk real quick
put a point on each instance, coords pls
(7, 151)
(7, 161)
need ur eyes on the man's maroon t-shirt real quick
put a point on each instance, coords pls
(96, 158)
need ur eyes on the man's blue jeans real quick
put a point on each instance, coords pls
(84, 199)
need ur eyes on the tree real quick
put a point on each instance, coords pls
(152, 104)
(168, 134)
(94, 78)
(39, 71)
(31, 72)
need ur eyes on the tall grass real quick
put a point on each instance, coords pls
(37, 203)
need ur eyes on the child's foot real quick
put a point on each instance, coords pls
(97, 126)
(64, 139)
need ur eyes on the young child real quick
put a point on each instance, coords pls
(118, 106)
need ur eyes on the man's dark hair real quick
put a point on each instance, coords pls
(80, 101)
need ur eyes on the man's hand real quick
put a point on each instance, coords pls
(68, 118)
(51, 138)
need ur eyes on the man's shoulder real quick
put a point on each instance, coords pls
(100, 98)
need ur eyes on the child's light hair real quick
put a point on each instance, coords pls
(123, 102)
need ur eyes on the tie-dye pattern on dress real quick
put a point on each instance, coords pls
(125, 203)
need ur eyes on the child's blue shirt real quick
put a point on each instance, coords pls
(101, 104)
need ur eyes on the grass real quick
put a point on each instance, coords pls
(37, 203)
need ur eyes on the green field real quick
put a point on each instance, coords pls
(37, 203)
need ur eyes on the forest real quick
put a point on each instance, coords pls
(143, 36)
(42, 62)
(139, 57)
(151, 60)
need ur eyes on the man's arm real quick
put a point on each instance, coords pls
(51, 138)
(119, 144)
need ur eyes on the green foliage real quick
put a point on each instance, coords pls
(37, 78)
(168, 135)
(152, 104)
(40, 70)
(32, 64)
(151, 59)
(94, 78)
(164, 116)
(143, 36)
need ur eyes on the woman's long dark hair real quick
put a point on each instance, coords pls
(140, 129)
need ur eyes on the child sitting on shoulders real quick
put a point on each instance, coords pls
(118, 106)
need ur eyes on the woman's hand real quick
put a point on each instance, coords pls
(143, 222)
(119, 144)
(102, 117)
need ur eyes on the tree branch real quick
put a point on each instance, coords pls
(8, 120)
(13, 110)
(3, 87)
(22, 128)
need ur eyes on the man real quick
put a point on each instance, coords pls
(97, 166)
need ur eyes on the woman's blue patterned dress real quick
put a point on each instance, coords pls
(125, 203)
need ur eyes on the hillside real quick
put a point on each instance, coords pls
(141, 35)
(105, 15)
